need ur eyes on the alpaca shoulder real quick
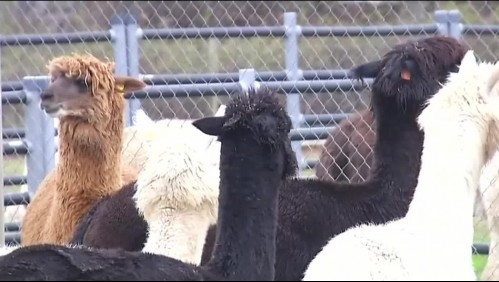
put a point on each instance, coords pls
(103, 225)
(365, 245)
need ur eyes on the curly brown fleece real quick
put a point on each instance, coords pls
(90, 165)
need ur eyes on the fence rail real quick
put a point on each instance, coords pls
(225, 88)
(125, 36)
(47, 39)
(266, 76)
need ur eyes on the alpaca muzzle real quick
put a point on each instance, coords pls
(50, 108)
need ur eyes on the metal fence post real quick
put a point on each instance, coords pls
(455, 25)
(40, 134)
(132, 53)
(118, 37)
(2, 192)
(441, 18)
(293, 74)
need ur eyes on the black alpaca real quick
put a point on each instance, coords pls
(348, 150)
(253, 132)
(313, 211)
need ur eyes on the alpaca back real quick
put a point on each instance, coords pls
(110, 217)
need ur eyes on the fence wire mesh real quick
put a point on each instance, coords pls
(228, 55)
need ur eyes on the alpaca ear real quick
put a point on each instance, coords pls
(210, 125)
(493, 82)
(469, 62)
(127, 84)
(221, 111)
(367, 70)
(111, 66)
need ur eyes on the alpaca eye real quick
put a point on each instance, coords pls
(82, 84)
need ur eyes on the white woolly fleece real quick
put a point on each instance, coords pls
(7, 249)
(177, 193)
(137, 138)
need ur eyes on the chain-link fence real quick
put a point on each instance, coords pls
(191, 55)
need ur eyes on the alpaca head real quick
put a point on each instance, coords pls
(473, 91)
(83, 87)
(412, 72)
(260, 112)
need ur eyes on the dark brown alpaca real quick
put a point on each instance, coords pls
(348, 150)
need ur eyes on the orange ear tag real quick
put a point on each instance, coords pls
(405, 75)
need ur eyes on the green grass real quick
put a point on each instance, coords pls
(13, 166)
(479, 262)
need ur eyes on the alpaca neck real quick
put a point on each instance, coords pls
(179, 235)
(397, 150)
(90, 158)
(444, 199)
(250, 175)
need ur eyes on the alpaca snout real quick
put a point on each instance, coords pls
(49, 106)
(46, 100)
(46, 95)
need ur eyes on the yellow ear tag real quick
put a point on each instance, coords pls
(120, 88)
(150, 135)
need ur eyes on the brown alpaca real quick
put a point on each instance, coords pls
(348, 151)
(88, 100)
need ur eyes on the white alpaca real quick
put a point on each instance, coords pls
(433, 241)
(177, 192)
